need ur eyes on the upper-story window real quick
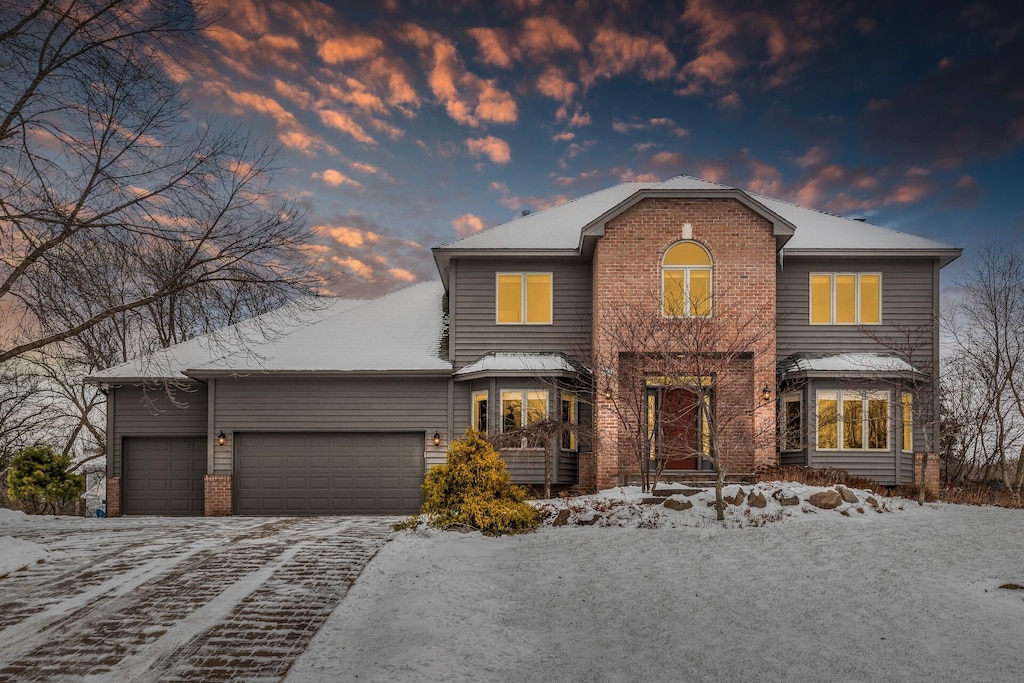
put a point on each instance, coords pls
(846, 298)
(686, 281)
(523, 299)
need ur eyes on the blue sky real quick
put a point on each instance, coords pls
(407, 124)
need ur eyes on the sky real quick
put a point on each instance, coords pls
(405, 125)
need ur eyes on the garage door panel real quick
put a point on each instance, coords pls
(328, 473)
(163, 475)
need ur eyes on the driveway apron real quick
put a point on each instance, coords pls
(149, 599)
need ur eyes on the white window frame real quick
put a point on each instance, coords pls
(474, 422)
(865, 396)
(522, 293)
(798, 398)
(832, 298)
(523, 404)
(710, 270)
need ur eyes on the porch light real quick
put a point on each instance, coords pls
(607, 393)
(437, 438)
(766, 394)
(221, 439)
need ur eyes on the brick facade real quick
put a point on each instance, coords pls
(627, 282)
(218, 495)
(113, 496)
(931, 485)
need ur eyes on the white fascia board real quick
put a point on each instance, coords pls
(945, 256)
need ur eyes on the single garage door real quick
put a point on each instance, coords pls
(163, 476)
(328, 473)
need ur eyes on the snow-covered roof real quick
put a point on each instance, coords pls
(559, 227)
(845, 363)
(397, 332)
(518, 363)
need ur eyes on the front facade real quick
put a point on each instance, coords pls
(648, 326)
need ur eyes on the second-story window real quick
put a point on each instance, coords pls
(846, 298)
(686, 281)
(523, 299)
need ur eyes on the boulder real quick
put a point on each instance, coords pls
(786, 497)
(673, 504)
(562, 518)
(872, 501)
(756, 499)
(690, 492)
(593, 519)
(735, 500)
(826, 500)
(847, 495)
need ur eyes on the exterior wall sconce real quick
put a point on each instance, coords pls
(221, 439)
(607, 393)
(766, 394)
(437, 438)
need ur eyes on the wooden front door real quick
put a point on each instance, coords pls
(678, 433)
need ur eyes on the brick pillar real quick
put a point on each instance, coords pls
(113, 496)
(931, 486)
(218, 495)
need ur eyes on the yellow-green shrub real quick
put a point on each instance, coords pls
(474, 489)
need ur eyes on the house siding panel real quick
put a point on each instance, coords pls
(907, 301)
(139, 412)
(472, 308)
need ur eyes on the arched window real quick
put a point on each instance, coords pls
(686, 281)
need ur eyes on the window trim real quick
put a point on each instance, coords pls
(524, 406)
(474, 417)
(523, 301)
(865, 397)
(832, 298)
(906, 427)
(573, 420)
(798, 398)
(686, 270)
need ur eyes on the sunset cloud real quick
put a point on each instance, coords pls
(493, 47)
(343, 122)
(351, 48)
(335, 178)
(493, 148)
(467, 224)
(614, 52)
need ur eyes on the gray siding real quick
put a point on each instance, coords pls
(150, 413)
(908, 299)
(332, 404)
(472, 301)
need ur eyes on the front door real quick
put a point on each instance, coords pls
(675, 426)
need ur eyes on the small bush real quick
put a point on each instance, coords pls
(41, 479)
(474, 489)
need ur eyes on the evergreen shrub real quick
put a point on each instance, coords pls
(41, 479)
(474, 489)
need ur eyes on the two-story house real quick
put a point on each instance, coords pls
(776, 316)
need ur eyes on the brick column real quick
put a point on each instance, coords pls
(931, 486)
(113, 496)
(218, 495)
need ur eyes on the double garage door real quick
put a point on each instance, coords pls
(280, 474)
(327, 473)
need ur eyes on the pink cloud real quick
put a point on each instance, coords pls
(350, 48)
(402, 274)
(335, 178)
(554, 83)
(815, 156)
(364, 167)
(348, 236)
(614, 52)
(564, 136)
(467, 224)
(343, 122)
(496, 149)
(545, 35)
(493, 47)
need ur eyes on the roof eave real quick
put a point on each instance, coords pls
(945, 256)
(849, 374)
(483, 374)
(443, 256)
(199, 373)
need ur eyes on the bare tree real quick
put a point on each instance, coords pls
(711, 362)
(987, 326)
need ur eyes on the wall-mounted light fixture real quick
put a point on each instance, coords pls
(221, 439)
(437, 438)
(607, 393)
(766, 394)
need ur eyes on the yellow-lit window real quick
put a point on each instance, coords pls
(520, 408)
(828, 420)
(860, 418)
(569, 418)
(846, 298)
(524, 298)
(480, 411)
(907, 404)
(686, 281)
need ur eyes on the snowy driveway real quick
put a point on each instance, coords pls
(150, 599)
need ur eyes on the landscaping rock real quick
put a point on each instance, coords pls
(673, 504)
(735, 500)
(562, 518)
(588, 521)
(847, 495)
(756, 499)
(1012, 587)
(786, 497)
(690, 492)
(826, 500)
(872, 501)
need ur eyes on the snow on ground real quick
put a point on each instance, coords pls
(816, 595)
(16, 553)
